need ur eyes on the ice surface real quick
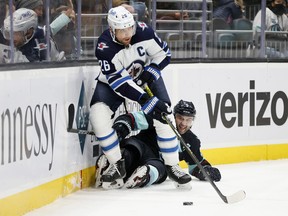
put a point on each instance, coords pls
(265, 184)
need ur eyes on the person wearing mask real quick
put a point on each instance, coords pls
(275, 21)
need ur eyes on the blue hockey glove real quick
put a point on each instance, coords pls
(155, 108)
(149, 75)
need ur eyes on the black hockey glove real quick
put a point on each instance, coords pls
(149, 74)
(123, 125)
(213, 172)
(154, 107)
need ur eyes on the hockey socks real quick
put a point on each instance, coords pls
(154, 175)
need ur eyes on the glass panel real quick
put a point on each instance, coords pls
(192, 29)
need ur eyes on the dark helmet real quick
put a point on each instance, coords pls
(185, 108)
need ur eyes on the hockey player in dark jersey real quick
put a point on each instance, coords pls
(28, 38)
(143, 165)
(130, 54)
(184, 113)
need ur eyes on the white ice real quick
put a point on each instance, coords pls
(265, 184)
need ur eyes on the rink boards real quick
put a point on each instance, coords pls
(242, 112)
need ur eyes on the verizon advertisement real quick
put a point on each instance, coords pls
(236, 104)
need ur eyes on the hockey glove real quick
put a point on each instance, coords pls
(155, 108)
(150, 74)
(213, 172)
(123, 125)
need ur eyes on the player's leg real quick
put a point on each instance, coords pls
(168, 145)
(167, 140)
(135, 153)
(103, 105)
(150, 168)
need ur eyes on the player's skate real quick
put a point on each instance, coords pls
(182, 180)
(101, 165)
(139, 178)
(112, 178)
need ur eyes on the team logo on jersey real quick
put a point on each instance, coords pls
(102, 46)
(142, 25)
(135, 69)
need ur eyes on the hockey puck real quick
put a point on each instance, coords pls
(187, 203)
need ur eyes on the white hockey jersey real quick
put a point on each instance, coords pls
(119, 64)
(272, 23)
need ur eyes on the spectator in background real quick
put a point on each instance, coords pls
(5, 49)
(132, 6)
(171, 15)
(62, 25)
(29, 38)
(276, 19)
(182, 10)
(56, 4)
(37, 6)
(228, 9)
(65, 37)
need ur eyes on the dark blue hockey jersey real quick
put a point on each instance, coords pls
(36, 49)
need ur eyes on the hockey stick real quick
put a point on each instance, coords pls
(71, 113)
(236, 197)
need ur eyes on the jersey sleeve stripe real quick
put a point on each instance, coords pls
(119, 82)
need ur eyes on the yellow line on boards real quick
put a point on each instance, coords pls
(244, 154)
(28, 200)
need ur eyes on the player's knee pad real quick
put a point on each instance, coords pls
(163, 130)
(166, 138)
(167, 142)
(100, 118)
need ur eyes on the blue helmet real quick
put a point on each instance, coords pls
(185, 108)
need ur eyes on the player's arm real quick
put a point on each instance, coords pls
(194, 145)
(158, 53)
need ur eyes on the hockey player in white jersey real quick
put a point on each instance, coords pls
(130, 54)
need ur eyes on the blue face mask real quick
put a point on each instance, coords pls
(278, 9)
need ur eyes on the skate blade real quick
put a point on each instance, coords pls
(100, 169)
(98, 181)
(186, 186)
(113, 185)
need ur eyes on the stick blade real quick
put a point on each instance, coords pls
(236, 197)
(71, 113)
